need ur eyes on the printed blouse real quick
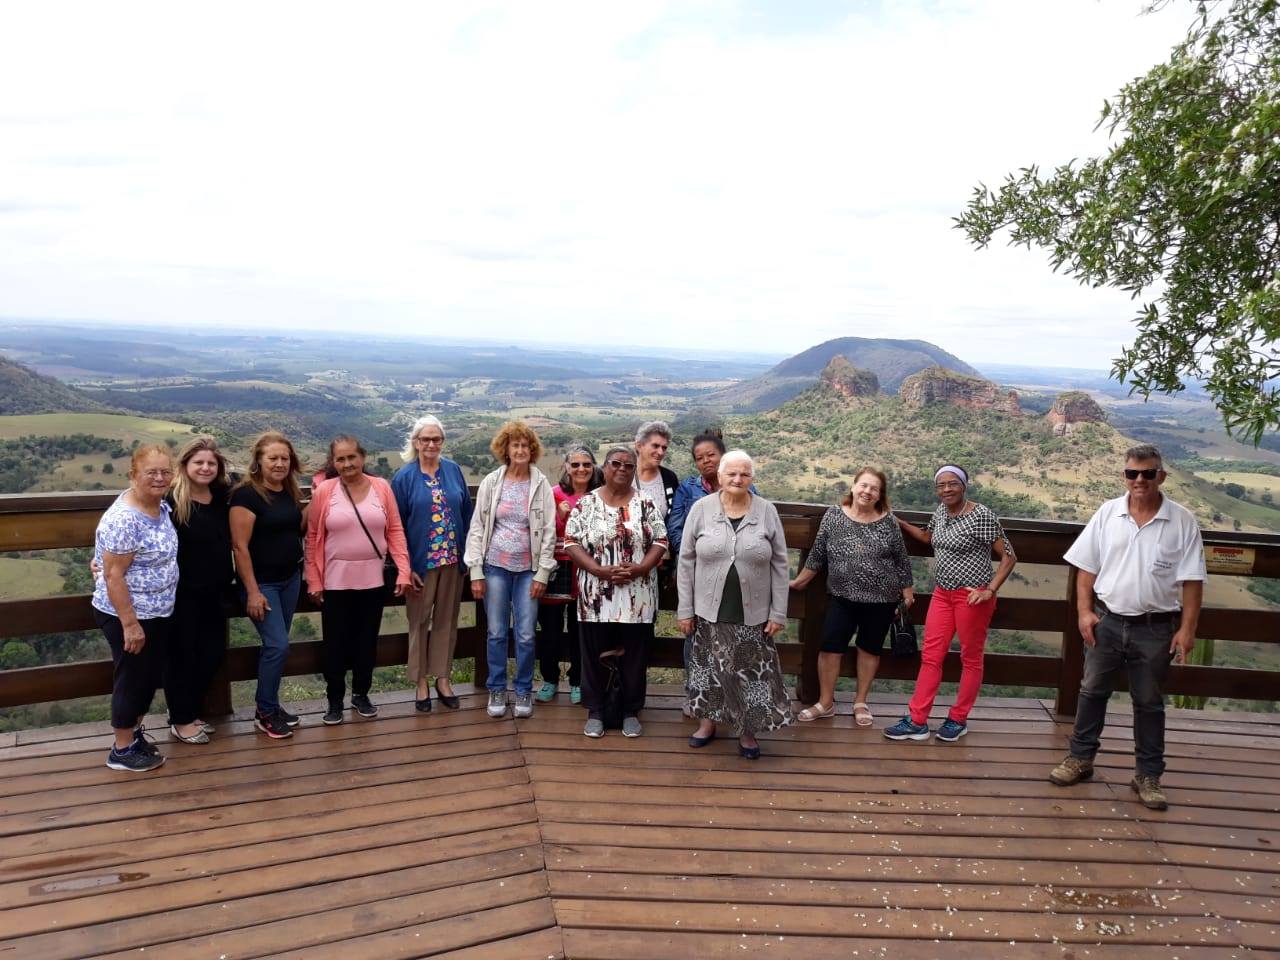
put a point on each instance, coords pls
(866, 562)
(509, 546)
(442, 532)
(614, 535)
(962, 546)
(152, 577)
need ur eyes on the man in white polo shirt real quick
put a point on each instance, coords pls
(1141, 579)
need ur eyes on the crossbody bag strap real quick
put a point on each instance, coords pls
(373, 543)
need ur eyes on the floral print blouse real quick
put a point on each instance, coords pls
(613, 535)
(442, 532)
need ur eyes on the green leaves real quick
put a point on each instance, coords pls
(1184, 210)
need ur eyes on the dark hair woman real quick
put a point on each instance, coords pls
(353, 525)
(579, 477)
(200, 512)
(135, 556)
(868, 573)
(267, 523)
(617, 538)
(964, 536)
(435, 507)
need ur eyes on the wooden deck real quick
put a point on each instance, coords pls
(457, 835)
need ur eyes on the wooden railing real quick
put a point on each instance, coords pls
(47, 521)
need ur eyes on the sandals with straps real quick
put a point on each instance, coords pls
(862, 715)
(816, 712)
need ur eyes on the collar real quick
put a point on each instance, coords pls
(1163, 512)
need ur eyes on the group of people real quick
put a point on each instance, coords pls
(580, 560)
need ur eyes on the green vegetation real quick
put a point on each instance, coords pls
(1182, 206)
(26, 459)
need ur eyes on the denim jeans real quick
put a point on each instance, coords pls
(282, 599)
(506, 603)
(1142, 651)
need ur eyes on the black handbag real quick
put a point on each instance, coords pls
(611, 700)
(390, 573)
(902, 634)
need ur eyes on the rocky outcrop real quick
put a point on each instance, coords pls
(1071, 408)
(848, 381)
(939, 385)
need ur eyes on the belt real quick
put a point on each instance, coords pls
(1161, 616)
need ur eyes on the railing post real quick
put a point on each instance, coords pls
(217, 700)
(1072, 671)
(815, 611)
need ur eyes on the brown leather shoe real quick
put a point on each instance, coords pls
(1149, 792)
(1071, 770)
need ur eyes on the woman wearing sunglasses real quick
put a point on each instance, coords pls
(964, 536)
(617, 538)
(579, 477)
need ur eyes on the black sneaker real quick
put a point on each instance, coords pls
(273, 725)
(291, 719)
(141, 742)
(134, 759)
(362, 705)
(334, 716)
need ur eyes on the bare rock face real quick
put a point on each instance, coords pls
(939, 385)
(1071, 408)
(848, 381)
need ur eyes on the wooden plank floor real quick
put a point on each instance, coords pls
(461, 836)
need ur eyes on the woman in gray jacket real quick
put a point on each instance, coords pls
(732, 579)
(510, 556)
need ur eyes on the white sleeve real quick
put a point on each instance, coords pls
(1086, 553)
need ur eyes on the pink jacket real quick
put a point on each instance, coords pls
(319, 511)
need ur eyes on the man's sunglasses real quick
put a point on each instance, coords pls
(1148, 474)
(621, 464)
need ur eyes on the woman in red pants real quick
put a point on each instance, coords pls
(964, 536)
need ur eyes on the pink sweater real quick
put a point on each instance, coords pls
(316, 531)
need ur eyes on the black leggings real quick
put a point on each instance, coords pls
(196, 649)
(136, 675)
(550, 641)
(350, 620)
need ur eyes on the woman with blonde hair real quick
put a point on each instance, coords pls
(267, 523)
(868, 574)
(435, 508)
(511, 555)
(200, 512)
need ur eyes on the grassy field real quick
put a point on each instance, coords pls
(25, 579)
(1255, 483)
(112, 426)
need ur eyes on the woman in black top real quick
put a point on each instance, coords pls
(267, 523)
(199, 510)
(868, 574)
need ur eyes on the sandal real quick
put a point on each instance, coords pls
(816, 712)
(862, 715)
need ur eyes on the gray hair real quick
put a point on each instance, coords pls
(426, 420)
(737, 455)
(579, 446)
(649, 429)
(621, 448)
(1144, 451)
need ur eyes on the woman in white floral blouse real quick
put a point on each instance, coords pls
(617, 539)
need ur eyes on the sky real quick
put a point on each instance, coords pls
(744, 174)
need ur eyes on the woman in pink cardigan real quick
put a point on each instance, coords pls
(352, 525)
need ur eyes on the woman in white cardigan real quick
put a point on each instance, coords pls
(732, 579)
(510, 557)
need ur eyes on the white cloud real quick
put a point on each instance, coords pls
(695, 173)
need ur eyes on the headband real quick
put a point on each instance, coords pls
(951, 468)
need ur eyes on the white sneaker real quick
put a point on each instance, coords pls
(524, 705)
(497, 703)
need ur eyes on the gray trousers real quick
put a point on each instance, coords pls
(1142, 651)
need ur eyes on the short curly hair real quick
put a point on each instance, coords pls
(515, 430)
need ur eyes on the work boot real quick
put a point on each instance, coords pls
(1149, 792)
(1071, 770)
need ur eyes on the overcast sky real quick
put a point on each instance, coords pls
(762, 174)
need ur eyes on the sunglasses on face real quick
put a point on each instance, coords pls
(581, 466)
(621, 464)
(1148, 474)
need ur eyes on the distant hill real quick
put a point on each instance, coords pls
(1024, 465)
(892, 361)
(23, 391)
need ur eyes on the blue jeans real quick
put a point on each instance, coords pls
(282, 598)
(505, 594)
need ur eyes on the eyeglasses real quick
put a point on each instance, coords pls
(158, 474)
(621, 464)
(435, 441)
(1149, 473)
(581, 466)
(948, 485)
